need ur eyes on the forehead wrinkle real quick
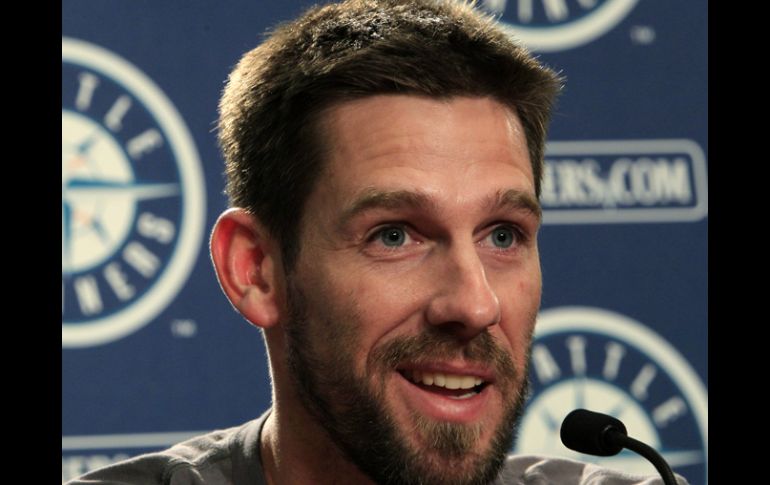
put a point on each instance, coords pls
(516, 200)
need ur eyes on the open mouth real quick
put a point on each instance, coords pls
(452, 386)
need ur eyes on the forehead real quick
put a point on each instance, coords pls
(401, 142)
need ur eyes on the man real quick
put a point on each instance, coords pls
(384, 162)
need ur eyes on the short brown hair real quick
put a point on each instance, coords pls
(271, 105)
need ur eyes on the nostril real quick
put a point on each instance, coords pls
(462, 331)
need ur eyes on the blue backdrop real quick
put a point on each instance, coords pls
(151, 350)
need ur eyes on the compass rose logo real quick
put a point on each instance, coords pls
(603, 361)
(133, 197)
(555, 25)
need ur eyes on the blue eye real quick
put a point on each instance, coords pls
(503, 237)
(393, 236)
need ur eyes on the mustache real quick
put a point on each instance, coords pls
(434, 344)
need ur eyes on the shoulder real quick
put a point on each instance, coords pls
(221, 457)
(536, 470)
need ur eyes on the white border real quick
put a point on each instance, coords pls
(576, 318)
(167, 286)
(572, 34)
(130, 440)
(633, 147)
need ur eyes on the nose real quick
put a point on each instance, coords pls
(463, 303)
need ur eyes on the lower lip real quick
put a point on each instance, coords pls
(445, 408)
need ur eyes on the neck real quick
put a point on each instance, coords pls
(298, 451)
(295, 448)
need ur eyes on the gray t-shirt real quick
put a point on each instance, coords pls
(231, 457)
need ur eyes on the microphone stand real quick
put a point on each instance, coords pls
(646, 451)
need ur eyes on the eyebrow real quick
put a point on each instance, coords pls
(378, 199)
(515, 200)
(511, 199)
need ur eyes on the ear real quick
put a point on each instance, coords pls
(247, 261)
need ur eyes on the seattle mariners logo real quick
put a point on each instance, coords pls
(602, 361)
(133, 197)
(554, 25)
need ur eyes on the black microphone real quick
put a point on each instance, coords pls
(601, 435)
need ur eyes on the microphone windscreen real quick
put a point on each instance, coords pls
(591, 433)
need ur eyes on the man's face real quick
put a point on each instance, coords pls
(414, 295)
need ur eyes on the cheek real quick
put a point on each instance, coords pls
(387, 304)
(330, 313)
(353, 310)
(520, 302)
(529, 287)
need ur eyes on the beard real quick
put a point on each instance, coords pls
(352, 409)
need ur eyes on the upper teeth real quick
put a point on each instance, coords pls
(449, 381)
